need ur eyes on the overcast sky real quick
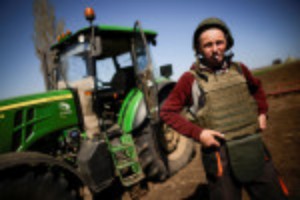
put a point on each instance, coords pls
(263, 31)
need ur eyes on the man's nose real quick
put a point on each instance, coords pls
(214, 47)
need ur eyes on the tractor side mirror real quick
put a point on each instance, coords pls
(166, 70)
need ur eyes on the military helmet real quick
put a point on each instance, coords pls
(209, 23)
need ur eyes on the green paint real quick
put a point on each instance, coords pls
(30, 118)
(27, 98)
(124, 105)
(124, 29)
(115, 29)
(161, 79)
(128, 160)
(129, 109)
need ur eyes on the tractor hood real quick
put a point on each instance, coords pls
(25, 119)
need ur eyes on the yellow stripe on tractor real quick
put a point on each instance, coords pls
(33, 102)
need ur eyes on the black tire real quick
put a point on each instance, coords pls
(35, 176)
(150, 155)
(34, 185)
(179, 153)
(157, 162)
(178, 149)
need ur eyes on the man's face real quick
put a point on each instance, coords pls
(212, 46)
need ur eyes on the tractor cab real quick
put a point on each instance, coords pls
(103, 64)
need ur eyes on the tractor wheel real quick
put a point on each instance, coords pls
(178, 149)
(150, 155)
(34, 185)
(163, 153)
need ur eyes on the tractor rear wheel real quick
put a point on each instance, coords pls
(162, 151)
(178, 149)
(150, 155)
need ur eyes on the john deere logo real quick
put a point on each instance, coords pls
(65, 109)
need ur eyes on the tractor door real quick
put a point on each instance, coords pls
(144, 72)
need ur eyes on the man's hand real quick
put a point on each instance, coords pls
(208, 138)
(262, 120)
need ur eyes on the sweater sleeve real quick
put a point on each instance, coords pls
(256, 89)
(180, 97)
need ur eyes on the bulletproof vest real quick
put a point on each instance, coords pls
(229, 106)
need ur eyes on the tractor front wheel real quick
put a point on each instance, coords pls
(35, 186)
(35, 176)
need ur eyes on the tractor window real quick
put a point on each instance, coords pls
(124, 60)
(105, 71)
(156, 72)
(73, 63)
(75, 68)
(107, 68)
(142, 59)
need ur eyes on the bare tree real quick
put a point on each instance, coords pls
(46, 30)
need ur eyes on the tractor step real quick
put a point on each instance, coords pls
(126, 161)
(121, 147)
(133, 179)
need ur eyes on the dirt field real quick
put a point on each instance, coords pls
(282, 138)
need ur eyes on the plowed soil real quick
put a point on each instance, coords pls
(282, 138)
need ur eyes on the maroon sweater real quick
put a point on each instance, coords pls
(181, 96)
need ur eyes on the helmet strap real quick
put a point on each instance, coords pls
(228, 56)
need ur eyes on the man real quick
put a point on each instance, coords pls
(228, 108)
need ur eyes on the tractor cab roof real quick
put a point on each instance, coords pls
(115, 40)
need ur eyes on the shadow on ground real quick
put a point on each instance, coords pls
(201, 192)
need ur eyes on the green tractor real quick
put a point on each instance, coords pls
(99, 123)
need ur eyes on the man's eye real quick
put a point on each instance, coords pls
(220, 42)
(207, 45)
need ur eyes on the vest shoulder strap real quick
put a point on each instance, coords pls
(238, 67)
(199, 75)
